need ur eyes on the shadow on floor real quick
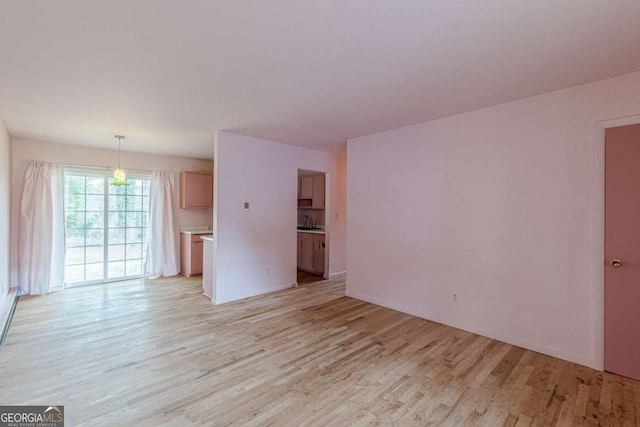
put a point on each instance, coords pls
(306, 278)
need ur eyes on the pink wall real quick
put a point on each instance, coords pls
(5, 199)
(24, 150)
(499, 206)
(256, 250)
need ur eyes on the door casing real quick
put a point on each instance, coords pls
(598, 264)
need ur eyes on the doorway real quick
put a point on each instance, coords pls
(622, 251)
(106, 227)
(311, 227)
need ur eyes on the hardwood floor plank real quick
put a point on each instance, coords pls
(156, 352)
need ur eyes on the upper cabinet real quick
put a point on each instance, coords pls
(196, 190)
(305, 187)
(318, 192)
(311, 192)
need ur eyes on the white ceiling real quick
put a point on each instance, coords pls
(169, 73)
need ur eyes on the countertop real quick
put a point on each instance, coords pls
(207, 238)
(197, 232)
(315, 231)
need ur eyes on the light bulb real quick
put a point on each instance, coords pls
(119, 177)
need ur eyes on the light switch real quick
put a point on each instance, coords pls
(246, 206)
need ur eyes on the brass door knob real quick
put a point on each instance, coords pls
(615, 263)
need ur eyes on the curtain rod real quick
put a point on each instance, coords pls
(103, 168)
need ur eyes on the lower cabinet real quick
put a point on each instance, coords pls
(311, 249)
(191, 254)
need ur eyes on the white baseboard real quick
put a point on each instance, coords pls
(338, 275)
(517, 341)
(266, 291)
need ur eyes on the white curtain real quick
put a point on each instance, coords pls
(41, 230)
(163, 250)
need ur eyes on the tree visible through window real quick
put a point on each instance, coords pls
(106, 227)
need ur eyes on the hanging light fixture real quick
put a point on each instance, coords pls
(119, 177)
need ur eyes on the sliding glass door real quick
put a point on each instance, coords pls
(106, 227)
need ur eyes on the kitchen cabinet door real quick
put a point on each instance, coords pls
(318, 253)
(306, 187)
(307, 246)
(196, 255)
(318, 192)
(191, 254)
(196, 190)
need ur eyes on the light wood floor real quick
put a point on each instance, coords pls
(157, 353)
(304, 278)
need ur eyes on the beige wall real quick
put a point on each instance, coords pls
(257, 249)
(5, 199)
(492, 221)
(24, 150)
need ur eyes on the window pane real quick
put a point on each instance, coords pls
(116, 235)
(134, 251)
(116, 219)
(95, 185)
(74, 256)
(95, 254)
(74, 274)
(116, 252)
(73, 202)
(95, 203)
(134, 268)
(95, 237)
(116, 189)
(134, 203)
(95, 219)
(116, 203)
(115, 269)
(134, 235)
(134, 187)
(74, 238)
(134, 219)
(74, 184)
(95, 271)
(75, 220)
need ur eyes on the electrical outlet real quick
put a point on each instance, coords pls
(268, 272)
(455, 297)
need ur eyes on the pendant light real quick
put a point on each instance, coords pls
(119, 177)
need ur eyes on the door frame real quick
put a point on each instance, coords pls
(599, 128)
(327, 219)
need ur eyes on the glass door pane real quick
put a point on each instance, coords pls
(128, 217)
(84, 217)
(106, 227)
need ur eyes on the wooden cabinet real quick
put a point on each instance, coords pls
(318, 253)
(196, 190)
(317, 201)
(311, 192)
(305, 187)
(311, 249)
(191, 253)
